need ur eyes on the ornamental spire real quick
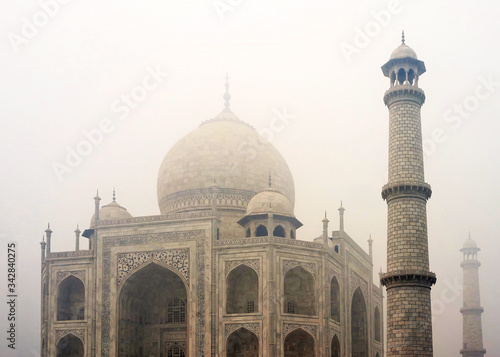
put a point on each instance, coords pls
(227, 96)
(403, 37)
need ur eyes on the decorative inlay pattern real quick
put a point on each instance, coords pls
(175, 258)
(357, 281)
(312, 329)
(252, 263)
(182, 236)
(333, 273)
(253, 327)
(181, 344)
(269, 240)
(360, 267)
(290, 264)
(61, 275)
(332, 332)
(168, 217)
(74, 253)
(80, 333)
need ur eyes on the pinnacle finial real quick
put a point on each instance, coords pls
(370, 240)
(227, 96)
(114, 195)
(403, 37)
(270, 182)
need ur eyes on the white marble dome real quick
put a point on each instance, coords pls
(403, 51)
(224, 152)
(270, 199)
(110, 212)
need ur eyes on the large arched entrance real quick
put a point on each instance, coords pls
(71, 299)
(335, 299)
(152, 312)
(359, 330)
(335, 348)
(299, 292)
(242, 291)
(242, 343)
(69, 346)
(299, 344)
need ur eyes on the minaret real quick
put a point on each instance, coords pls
(472, 310)
(341, 217)
(325, 230)
(408, 280)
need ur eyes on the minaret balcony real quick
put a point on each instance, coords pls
(408, 278)
(404, 92)
(396, 190)
(471, 310)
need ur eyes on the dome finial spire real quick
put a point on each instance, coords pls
(114, 195)
(403, 37)
(227, 96)
(270, 183)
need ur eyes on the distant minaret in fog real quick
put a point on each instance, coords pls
(472, 310)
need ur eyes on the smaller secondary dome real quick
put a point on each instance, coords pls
(270, 199)
(111, 211)
(403, 51)
(470, 243)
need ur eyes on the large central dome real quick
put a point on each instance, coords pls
(224, 152)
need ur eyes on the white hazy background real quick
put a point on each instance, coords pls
(317, 60)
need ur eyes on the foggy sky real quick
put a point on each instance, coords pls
(69, 72)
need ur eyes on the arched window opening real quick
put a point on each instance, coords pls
(336, 248)
(71, 299)
(151, 299)
(292, 234)
(377, 324)
(359, 331)
(69, 346)
(176, 310)
(401, 76)
(242, 342)
(299, 343)
(335, 348)
(393, 79)
(279, 231)
(242, 291)
(176, 351)
(248, 233)
(377, 355)
(411, 76)
(300, 297)
(261, 231)
(335, 300)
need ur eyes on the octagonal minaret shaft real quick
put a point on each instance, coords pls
(408, 280)
(472, 310)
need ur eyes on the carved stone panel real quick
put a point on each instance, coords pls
(61, 275)
(357, 281)
(312, 329)
(175, 258)
(253, 327)
(252, 263)
(80, 333)
(290, 264)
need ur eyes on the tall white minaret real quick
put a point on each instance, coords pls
(472, 310)
(408, 280)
